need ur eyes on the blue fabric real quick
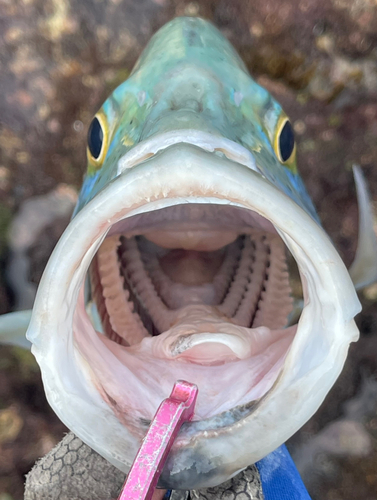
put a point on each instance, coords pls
(280, 478)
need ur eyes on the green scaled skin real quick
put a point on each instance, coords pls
(190, 77)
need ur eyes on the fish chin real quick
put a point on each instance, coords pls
(259, 382)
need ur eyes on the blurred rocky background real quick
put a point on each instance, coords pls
(58, 62)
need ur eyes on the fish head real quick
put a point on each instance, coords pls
(174, 267)
(190, 78)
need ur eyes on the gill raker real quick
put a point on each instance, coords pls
(174, 267)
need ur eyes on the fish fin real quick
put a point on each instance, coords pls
(363, 270)
(13, 328)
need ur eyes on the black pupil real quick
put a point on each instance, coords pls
(286, 141)
(95, 138)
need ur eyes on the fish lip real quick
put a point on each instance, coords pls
(71, 391)
(203, 140)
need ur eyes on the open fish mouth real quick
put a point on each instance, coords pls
(182, 289)
(177, 270)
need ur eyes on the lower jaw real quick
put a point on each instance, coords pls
(207, 451)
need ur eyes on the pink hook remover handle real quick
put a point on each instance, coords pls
(150, 459)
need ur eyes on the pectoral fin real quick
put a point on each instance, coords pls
(363, 270)
(13, 328)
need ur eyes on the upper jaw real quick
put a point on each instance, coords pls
(206, 141)
(184, 173)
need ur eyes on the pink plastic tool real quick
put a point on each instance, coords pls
(150, 459)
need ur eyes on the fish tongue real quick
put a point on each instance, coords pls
(209, 348)
(201, 335)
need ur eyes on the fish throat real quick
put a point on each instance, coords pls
(138, 286)
(194, 288)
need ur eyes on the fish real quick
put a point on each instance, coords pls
(177, 265)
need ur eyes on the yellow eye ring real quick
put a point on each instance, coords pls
(98, 136)
(284, 142)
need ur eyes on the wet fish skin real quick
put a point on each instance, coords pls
(190, 78)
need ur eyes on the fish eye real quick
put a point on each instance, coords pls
(285, 141)
(97, 140)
